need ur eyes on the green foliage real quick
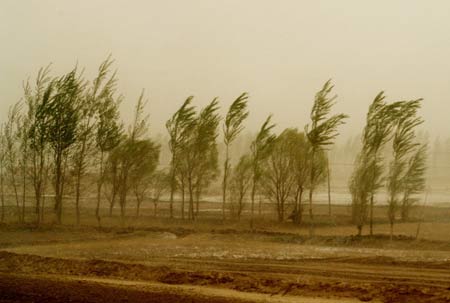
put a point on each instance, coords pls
(179, 126)
(321, 132)
(260, 150)
(323, 129)
(403, 144)
(414, 180)
(260, 147)
(236, 115)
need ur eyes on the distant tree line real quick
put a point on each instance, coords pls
(67, 132)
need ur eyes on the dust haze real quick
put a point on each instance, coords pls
(224, 151)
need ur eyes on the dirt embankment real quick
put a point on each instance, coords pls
(380, 281)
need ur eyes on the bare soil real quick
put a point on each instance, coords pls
(181, 265)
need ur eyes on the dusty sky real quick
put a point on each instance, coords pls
(281, 52)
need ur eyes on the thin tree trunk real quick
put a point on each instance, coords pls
(422, 216)
(42, 208)
(191, 200)
(58, 172)
(23, 189)
(253, 203)
(77, 195)
(138, 206)
(13, 179)
(259, 205)
(99, 190)
(172, 185)
(311, 189)
(371, 214)
(225, 180)
(182, 199)
(2, 193)
(391, 230)
(329, 187)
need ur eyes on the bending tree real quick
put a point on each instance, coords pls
(403, 144)
(63, 117)
(368, 173)
(236, 115)
(179, 129)
(321, 132)
(102, 88)
(260, 148)
(109, 129)
(414, 180)
(37, 135)
(301, 167)
(10, 133)
(200, 156)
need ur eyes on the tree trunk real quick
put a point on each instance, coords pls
(371, 214)
(329, 187)
(172, 185)
(13, 179)
(359, 230)
(253, 202)
(58, 183)
(182, 200)
(99, 190)
(2, 194)
(23, 191)
(225, 180)
(191, 200)
(391, 230)
(311, 189)
(138, 206)
(259, 205)
(77, 195)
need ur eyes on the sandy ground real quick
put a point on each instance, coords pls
(150, 266)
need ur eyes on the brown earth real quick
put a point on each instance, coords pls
(45, 279)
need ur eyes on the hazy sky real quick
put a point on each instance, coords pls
(281, 52)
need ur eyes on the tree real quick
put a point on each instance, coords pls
(360, 189)
(10, 133)
(63, 117)
(2, 165)
(414, 180)
(239, 185)
(403, 144)
(301, 167)
(37, 135)
(278, 176)
(88, 108)
(136, 157)
(321, 132)
(260, 148)
(236, 115)
(146, 155)
(179, 128)
(23, 124)
(367, 177)
(109, 129)
(200, 156)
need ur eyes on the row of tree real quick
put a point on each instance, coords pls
(404, 177)
(67, 133)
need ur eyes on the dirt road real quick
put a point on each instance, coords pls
(187, 280)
